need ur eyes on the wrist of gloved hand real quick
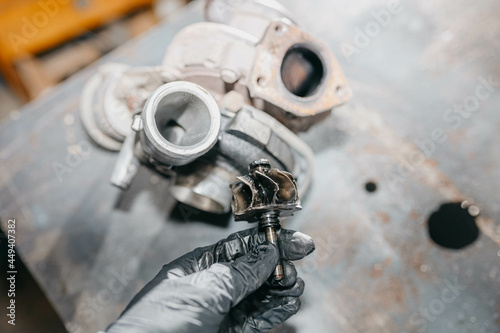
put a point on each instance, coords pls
(224, 287)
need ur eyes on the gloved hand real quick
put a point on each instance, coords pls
(223, 287)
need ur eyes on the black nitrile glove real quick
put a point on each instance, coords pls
(221, 288)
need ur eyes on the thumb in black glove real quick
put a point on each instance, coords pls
(221, 288)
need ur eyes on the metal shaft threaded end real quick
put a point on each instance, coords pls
(270, 223)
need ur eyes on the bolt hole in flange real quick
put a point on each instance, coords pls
(302, 71)
(452, 226)
(261, 81)
(280, 29)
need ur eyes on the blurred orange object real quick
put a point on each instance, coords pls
(29, 27)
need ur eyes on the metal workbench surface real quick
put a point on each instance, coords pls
(92, 247)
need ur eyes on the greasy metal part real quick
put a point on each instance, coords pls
(252, 124)
(304, 156)
(250, 16)
(127, 164)
(112, 95)
(268, 77)
(252, 47)
(327, 87)
(263, 195)
(270, 223)
(264, 69)
(203, 185)
(180, 122)
(245, 134)
(93, 106)
(251, 57)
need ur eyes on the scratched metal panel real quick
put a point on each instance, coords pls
(375, 269)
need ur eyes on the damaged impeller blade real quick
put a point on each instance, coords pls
(265, 195)
(264, 189)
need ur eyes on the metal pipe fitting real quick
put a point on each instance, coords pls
(181, 122)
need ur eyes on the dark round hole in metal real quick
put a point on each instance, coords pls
(302, 71)
(452, 227)
(371, 187)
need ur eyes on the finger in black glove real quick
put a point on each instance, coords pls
(223, 287)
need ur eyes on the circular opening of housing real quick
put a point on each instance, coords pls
(452, 226)
(183, 119)
(302, 71)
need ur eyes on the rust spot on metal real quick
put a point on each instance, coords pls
(277, 45)
(384, 217)
(431, 162)
(377, 307)
(414, 215)
(375, 273)
(33, 139)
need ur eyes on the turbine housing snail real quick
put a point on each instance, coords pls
(229, 91)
